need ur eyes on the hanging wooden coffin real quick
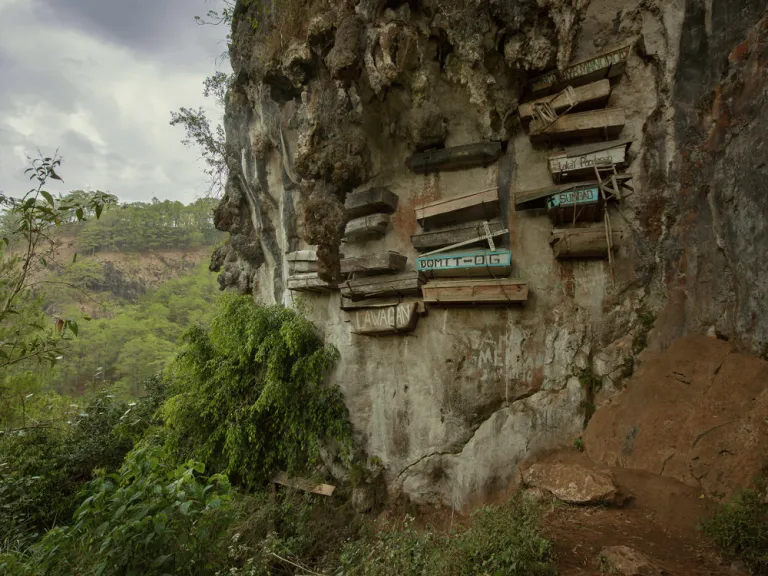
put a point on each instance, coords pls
(308, 283)
(607, 124)
(385, 262)
(586, 201)
(302, 261)
(593, 95)
(493, 263)
(605, 65)
(402, 284)
(446, 236)
(372, 201)
(456, 158)
(367, 227)
(488, 291)
(575, 243)
(473, 206)
(382, 320)
(578, 163)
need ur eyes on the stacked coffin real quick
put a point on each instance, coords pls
(585, 177)
(368, 213)
(302, 272)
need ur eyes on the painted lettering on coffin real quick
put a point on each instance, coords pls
(382, 318)
(467, 260)
(578, 196)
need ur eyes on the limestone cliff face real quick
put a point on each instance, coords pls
(330, 98)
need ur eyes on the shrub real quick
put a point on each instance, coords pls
(150, 518)
(740, 530)
(248, 396)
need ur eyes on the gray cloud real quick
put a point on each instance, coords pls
(97, 79)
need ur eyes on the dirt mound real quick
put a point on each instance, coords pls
(697, 412)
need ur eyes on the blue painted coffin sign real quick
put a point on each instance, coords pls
(581, 204)
(477, 263)
(575, 196)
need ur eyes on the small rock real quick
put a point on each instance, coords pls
(363, 498)
(626, 561)
(536, 494)
(572, 483)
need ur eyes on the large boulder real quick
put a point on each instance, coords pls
(572, 483)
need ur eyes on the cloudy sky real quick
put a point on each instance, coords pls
(97, 79)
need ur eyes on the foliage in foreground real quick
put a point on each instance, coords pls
(739, 529)
(248, 397)
(150, 518)
(503, 540)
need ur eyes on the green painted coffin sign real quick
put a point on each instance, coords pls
(476, 263)
(589, 195)
(580, 204)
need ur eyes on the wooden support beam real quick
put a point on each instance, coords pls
(373, 226)
(578, 163)
(382, 320)
(402, 284)
(607, 123)
(492, 291)
(493, 263)
(371, 201)
(606, 65)
(456, 158)
(577, 243)
(593, 95)
(303, 484)
(446, 236)
(481, 205)
(308, 283)
(374, 263)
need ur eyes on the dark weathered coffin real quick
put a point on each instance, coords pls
(439, 237)
(593, 95)
(402, 284)
(589, 242)
(605, 65)
(578, 163)
(308, 283)
(533, 199)
(578, 204)
(478, 263)
(372, 201)
(372, 226)
(473, 206)
(607, 124)
(374, 263)
(301, 267)
(491, 291)
(382, 320)
(456, 158)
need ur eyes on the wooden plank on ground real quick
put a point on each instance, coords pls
(578, 162)
(582, 242)
(446, 236)
(378, 286)
(308, 283)
(481, 205)
(382, 320)
(371, 201)
(607, 123)
(493, 263)
(606, 65)
(303, 484)
(456, 158)
(374, 263)
(593, 95)
(499, 291)
(366, 227)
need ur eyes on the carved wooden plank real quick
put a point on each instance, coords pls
(607, 123)
(473, 206)
(593, 95)
(378, 286)
(301, 267)
(439, 237)
(377, 321)
(605, 65)
(374, 263)
(499, 291)
(582, 242)
(456, 158)
(373, 226)
(308, 283)
(303, 484)
(532, 199)
(372, 201)
(578, 162)
(495, 263)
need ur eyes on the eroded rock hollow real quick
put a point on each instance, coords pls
(331, 99)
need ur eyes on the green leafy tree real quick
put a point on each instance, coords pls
(249, 397)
